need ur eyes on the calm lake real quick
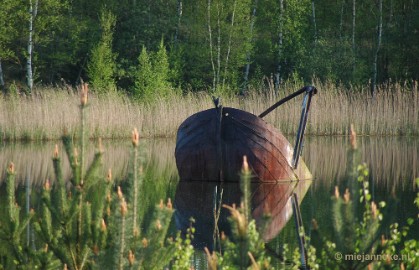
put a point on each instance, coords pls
(393, 164)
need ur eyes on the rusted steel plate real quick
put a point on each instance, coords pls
(211, 148)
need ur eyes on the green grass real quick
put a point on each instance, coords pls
(48, 111)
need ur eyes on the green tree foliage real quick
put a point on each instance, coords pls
(11, 13)
(12, 17)
(102, 65)
(161, 71)
(144, 76)
(225, 35)
(209, 42)
(12, 229)
(64, 35)
(152, 79)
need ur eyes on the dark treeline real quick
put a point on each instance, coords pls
(140, 45)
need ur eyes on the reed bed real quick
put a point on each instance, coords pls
(49, 111)
(393, 111)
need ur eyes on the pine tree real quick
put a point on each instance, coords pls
(102, 66)
(161, 71)
(144, 77)
(72, 222)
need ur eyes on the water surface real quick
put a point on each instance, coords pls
(392, 161)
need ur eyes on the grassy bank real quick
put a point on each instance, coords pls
(46, 113)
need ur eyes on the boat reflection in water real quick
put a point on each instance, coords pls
(197, 200)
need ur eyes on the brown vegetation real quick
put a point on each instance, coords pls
(49, 111)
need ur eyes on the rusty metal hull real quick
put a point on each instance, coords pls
(211, 144)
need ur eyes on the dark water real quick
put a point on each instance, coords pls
(392, 162)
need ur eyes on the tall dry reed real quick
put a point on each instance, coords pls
(45, 114)
(393, 111)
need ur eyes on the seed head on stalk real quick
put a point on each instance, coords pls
(353, 137)
(11, 168)
(109, 176)
(84, 94)
(55, 155)
(245, 166)
(124, 207)
(135, 137)
(131, 257)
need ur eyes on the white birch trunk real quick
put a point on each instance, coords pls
(2, 87)
(210, 43)
(179, 17)
(229, 43)
(342, 8)
(380, 30)
(280, 40)
(247, 68)
(353, 36)
(313, 11)
(29, 76)
(219, 12)
(32, 14)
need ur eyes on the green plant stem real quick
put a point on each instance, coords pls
(122, 243)
(82, 142)
(135, 199)
(82, 155)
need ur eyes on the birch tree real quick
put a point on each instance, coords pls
(353, 37)
(280, 43)
(228, 31)
(33, 10)
(211, 45)
(179, 18)
(248, 60)
(313, 15)
(342, 9)
(379, 34)
(229, 42)
(1, 77)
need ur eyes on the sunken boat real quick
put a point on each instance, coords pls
(210, 145)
